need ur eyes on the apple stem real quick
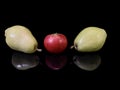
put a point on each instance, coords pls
(72, 47)
(39, 50)
(55, 33)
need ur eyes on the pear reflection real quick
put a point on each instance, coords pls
(56, 62)
(87, 62)
(23, 61)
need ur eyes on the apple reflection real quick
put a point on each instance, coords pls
(23, 61)
(56, 62)
(88, 62)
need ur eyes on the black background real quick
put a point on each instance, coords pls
(69, 21)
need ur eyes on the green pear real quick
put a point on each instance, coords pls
(88, 62)
(20, 38)
(24, 61)
(90, 39)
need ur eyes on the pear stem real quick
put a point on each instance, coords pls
(39, 50)
(72, 47)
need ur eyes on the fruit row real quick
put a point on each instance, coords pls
(23, 61)
(20, 38)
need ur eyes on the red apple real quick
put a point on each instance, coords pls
(55, 43)
(56, 62)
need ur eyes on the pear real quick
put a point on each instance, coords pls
(90, 39)
(24, 61)
(20, 38)
(88, 62)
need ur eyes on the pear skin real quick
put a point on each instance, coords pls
(24, 61)
(20, 38)
(88, 62)
(90, 39)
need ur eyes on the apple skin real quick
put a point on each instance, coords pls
(23, 61)
(56, 62)
(55, 43)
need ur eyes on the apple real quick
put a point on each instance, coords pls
(56, 62)
(55, 43)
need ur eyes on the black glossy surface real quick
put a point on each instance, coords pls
(70, 24)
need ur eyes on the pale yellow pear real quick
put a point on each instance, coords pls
(21, 39)
(90, 39)
(88, 62)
